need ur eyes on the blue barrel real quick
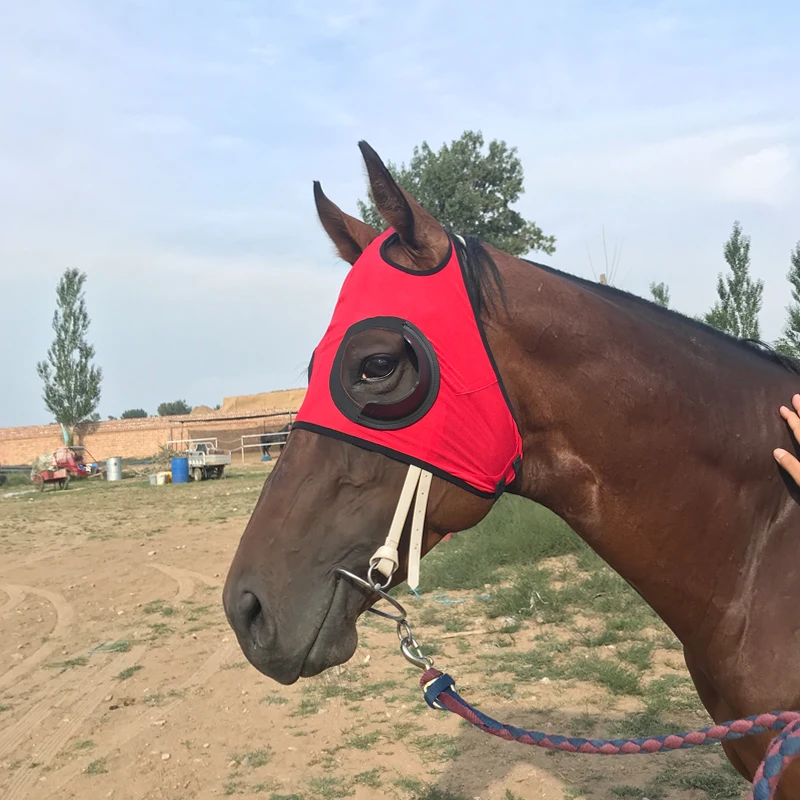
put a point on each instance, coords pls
(180, 470)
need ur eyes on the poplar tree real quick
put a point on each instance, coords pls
(740, 297)
(789, 343)
(71, 381)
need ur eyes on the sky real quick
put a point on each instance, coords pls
(168, 150)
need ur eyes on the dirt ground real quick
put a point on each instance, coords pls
(119, 677)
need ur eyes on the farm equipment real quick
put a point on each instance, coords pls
(58, 468)
(206, 461)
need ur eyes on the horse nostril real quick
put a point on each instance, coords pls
(249, 608)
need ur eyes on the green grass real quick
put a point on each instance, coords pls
(159, 607)
(516, 533)
(616, 677)
(363, 741)
(254, 759)
(80, 661)
(275, 700)
(4, 708)
(129, 672)
(372, 779)
(436, 747)
(717, 783)
(329, 788)
(97, 767)
(639, 655)
(307, 707)
(276, 796)
(84, 744)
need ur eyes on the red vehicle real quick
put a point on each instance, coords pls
(63, 466)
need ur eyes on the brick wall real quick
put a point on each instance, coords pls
(134, 438)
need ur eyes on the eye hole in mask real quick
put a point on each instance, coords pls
(385, 374)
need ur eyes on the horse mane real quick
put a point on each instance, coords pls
(484, 284)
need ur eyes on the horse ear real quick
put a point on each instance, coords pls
(423, 242)
(350, 235)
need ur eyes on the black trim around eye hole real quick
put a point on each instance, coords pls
(408, 409)
(421, 272)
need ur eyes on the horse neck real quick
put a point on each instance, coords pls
(651, 437)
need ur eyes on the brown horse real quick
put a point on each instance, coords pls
(649, 433)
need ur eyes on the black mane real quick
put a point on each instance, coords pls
(484, 282)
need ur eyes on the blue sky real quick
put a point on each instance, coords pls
(168, 149)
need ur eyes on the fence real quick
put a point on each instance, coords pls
(265, 440)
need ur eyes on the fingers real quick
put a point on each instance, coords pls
(789, 463)
(791, 415)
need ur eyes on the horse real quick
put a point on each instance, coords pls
(267, 440)
(650, 433)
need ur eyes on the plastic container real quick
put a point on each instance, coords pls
(180, 470)
(114, 469)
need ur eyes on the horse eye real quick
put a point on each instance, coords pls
(376, 368)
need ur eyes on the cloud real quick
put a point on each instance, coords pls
(760, 177)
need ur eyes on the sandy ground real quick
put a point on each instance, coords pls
(119, 677)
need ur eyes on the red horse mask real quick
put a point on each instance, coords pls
(445, 408)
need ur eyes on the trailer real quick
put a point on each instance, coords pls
(206, 461)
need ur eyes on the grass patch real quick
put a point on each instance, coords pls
(129, 672)
(254, 759)
(159, 607)
(436, 747)
(308, 706)
(515, 533)
(4, 708)
(97, 767)
(80, 661)
(159, 629)
(363, 741)
(372, 779)
(674, 692)
(720, 783)
(530, 595)
(84, 744)
(409, 784)
(616, 677)
(275, 700)
(275, 796)
(329, 788)
(234, 785)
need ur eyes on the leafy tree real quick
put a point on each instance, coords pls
(71, 381)
(660, 293)
(174, 408)
(740, 297)
(134, 413)
(789, 343)
(469, 191)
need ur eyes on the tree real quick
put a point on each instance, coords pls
(174, 408)
(71, 381)
(740, 297)
(469, 192)
(789, 343)
(134, 413)
(660, 293)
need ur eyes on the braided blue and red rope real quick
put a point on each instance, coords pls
(439, 692)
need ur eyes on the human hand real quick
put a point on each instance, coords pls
(787, 460)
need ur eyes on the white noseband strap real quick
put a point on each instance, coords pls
(387, 559)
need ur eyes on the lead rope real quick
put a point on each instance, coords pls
(439, 688)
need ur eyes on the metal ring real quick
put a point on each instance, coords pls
(404, 630)
(399, 617)
(374, 582)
